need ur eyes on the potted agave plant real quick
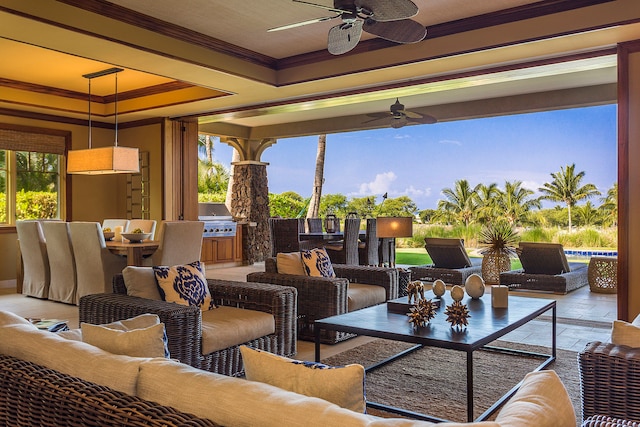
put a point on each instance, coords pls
(498, 241)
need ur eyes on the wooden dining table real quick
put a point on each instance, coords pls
(135, 252)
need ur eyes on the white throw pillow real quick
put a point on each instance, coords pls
(624, 333)
(140, 336)
(343, 385)
(141, 282)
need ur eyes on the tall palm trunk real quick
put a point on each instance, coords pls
(318, 180)
(208, 146)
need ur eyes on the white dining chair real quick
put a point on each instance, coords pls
(180, 243)
(95, 264)
(113, 223)
(33, 249)
(62, 265)
(146, 225)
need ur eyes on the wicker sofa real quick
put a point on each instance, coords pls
(184, 323)
(73, 383)
(321, 297)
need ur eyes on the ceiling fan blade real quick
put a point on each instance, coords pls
(300, 24)
(388, 10)
(424, 120)
(344, 37)
(403, 31)
(412, 115)
(321, 6)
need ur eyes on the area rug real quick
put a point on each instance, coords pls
(433, 380)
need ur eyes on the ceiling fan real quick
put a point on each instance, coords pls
(388, 19)
(398, 117)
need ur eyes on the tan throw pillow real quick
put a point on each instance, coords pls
(317, 263)
(290, 263)
(624, 333)
(141, 282)
(185, 285)
(343, 385)
(146, 342)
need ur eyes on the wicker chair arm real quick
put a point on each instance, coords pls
(279, 301)
(388, 278)
(606, 421)
(610, 380)
(183, 324)
(318, 297)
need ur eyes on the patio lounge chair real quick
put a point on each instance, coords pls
(545, 268)
(451, 263)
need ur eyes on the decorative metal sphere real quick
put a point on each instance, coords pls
(474, 285)
(457, 293)
(438, 288)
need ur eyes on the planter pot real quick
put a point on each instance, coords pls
(494, 263)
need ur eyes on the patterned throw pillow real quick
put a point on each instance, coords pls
(342, 385)
(185, 285)
(317, 263)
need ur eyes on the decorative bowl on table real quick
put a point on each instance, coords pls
(136, 237)
(108, 235)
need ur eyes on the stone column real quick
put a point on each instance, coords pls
(250, 201)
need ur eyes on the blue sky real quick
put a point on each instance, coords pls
(421, 160)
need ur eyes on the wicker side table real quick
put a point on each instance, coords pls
(603, 275)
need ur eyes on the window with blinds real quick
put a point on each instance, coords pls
(31, 161)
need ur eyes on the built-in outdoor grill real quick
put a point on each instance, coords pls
(218, 221)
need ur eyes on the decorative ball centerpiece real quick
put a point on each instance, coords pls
(457, 293)
(474, 286)
(438, 288)
(422, 313)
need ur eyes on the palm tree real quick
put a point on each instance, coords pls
(318, 179)
(515, 202)
(588, 214)
(609, 206)
(461, 201)
(566, 188)
(486, 201)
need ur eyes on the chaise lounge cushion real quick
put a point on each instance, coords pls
(225, 327)
(543, 258)
(447, 253)
(342, 385)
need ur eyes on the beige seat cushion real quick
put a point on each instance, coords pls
(290, 263)
(360, 295)
(225, 327)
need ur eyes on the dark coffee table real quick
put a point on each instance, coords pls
(486, 324)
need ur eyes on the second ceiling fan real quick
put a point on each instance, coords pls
(398, 117)
(387, 19)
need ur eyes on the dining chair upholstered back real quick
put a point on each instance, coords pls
(368, 250)
(146, 225)
(35, 262)
(347, 253)
(113, 223)
(62, 263)
(180, 243)
(95, 264)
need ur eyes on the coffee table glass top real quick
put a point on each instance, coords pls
(485, 322)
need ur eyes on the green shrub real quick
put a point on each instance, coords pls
(36, 205)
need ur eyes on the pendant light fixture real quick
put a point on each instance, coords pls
(103, 160)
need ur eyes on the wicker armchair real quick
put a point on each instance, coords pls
(184, 323)
(451, 263)
(545, 268)
(610, 381)
(321, 297)
(606, 421)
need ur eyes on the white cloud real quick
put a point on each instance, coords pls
(405, 136)
(379, 185)
(449, 142)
